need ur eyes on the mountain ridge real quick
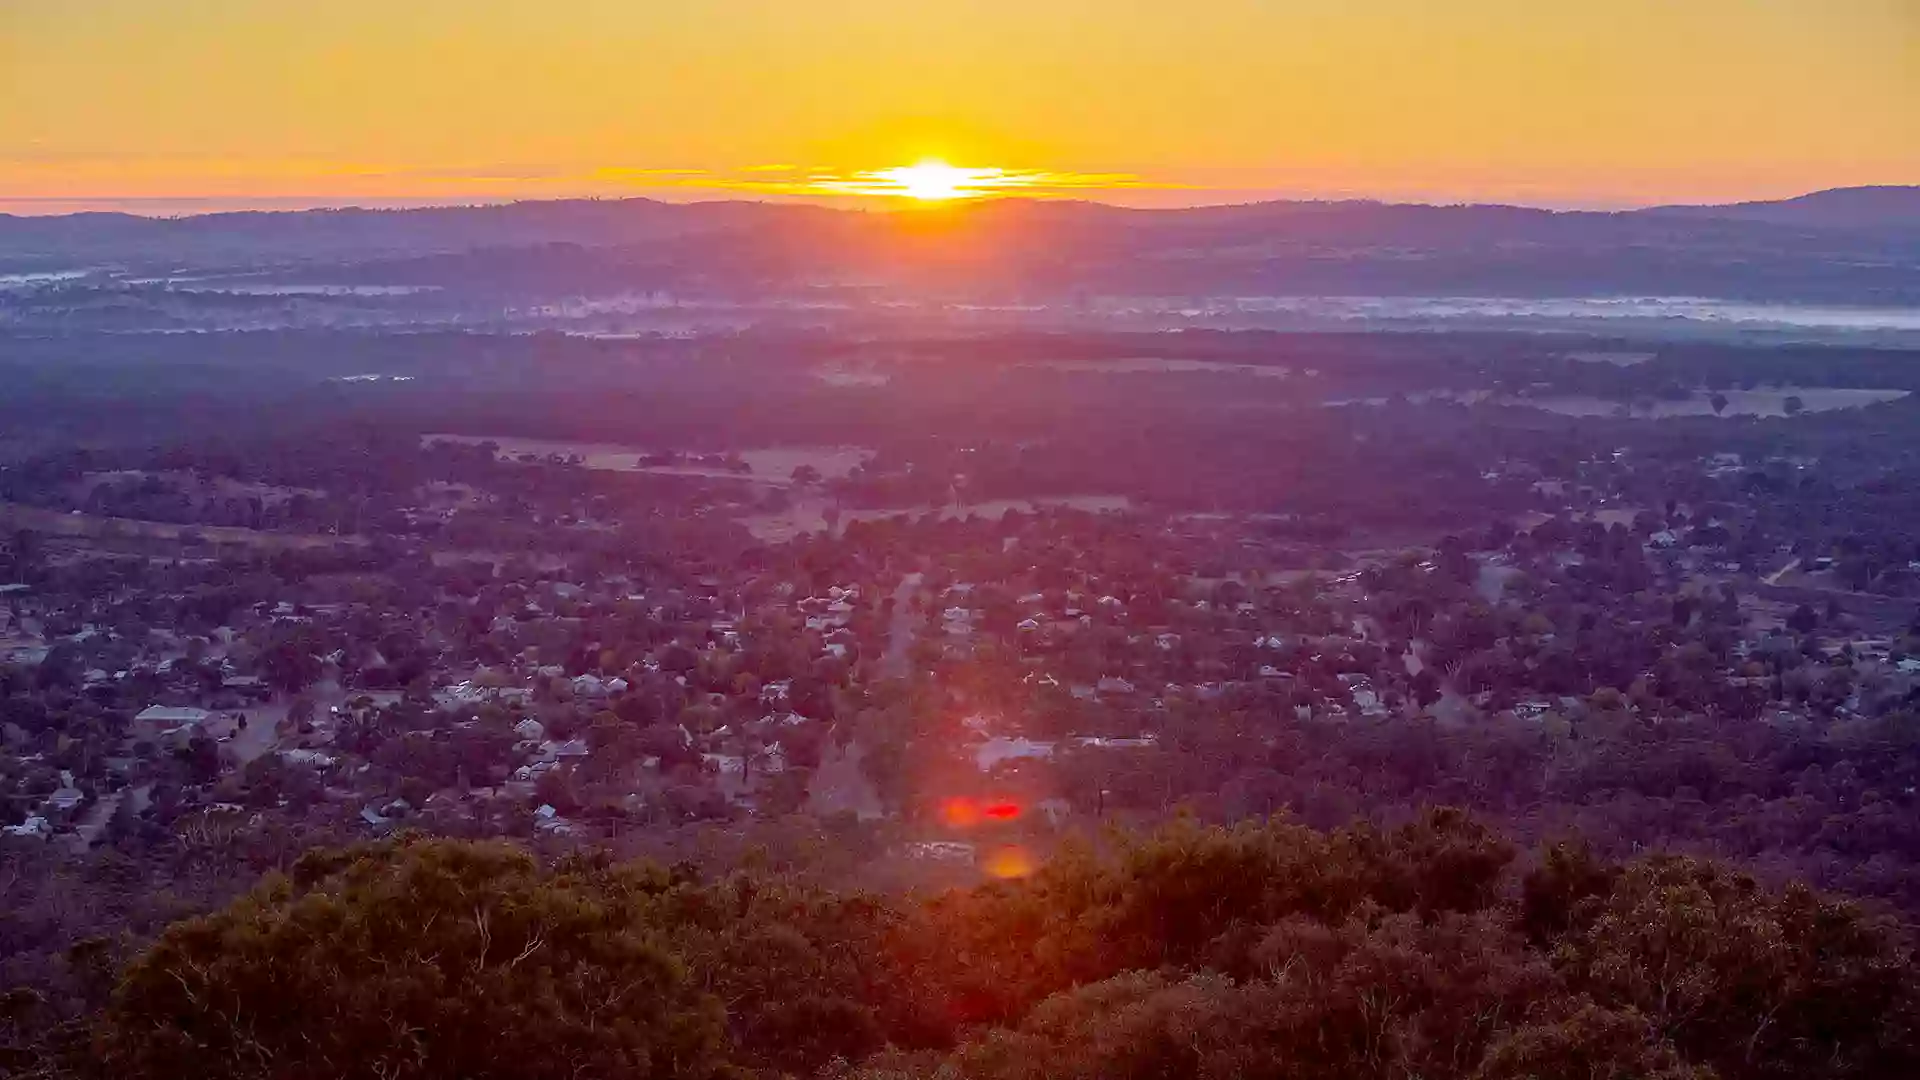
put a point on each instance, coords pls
(1853, 204)
(1851, 246)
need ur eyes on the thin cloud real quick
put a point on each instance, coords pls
(621, 172)
(966, 183)
(83, 178)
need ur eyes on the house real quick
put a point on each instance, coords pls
(571, 748)
(1532, 709)
(64, 801)
(771, 760)
(992, 752)
(35, 828)
(548, 820)
(171, 716)
(249, 685)
(172, 724)
(938, 851)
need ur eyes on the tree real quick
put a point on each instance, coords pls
(290, 662)
(1750, 982)
(1426, 688)
(1267, 951)
(300, 711)
(1592, 1042)
(420, 958)
(1719, 402)
(1793, 406)
(1803, 619)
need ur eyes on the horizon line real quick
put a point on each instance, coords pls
(218, 205)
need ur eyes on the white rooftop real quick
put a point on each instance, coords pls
(172, 714)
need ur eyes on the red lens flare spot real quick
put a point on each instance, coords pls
(1001, 811)
(963, 812)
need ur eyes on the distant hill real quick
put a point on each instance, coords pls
(356, 232)
(1846, 246)
(1885, 206)
(372, 233)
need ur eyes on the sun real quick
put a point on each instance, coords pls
(937, 181)
(931, 180)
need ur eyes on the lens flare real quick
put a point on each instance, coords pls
(1009, 863)
(960, 813)
(1000, 811)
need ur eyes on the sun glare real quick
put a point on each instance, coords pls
(930, 181)
(937, 181)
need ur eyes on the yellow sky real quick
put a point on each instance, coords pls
(1595, 102)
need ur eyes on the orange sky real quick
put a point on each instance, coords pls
(167, 105)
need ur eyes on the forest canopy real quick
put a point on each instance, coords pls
(1267, 949)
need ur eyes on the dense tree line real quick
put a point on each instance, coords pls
(1262, 950)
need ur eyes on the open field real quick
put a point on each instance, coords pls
(539, 560)
(76, 524)
(772, 465)
(809, 515)
(1156, 365)
(1762, 403)
(224, 487)
(1615, 357)
(1758, 403)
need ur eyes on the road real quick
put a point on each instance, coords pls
(94, 822)
(900, 632)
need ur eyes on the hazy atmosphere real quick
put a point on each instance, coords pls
(1054, 540)
(203, 104)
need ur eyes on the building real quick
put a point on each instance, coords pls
(171, 716)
